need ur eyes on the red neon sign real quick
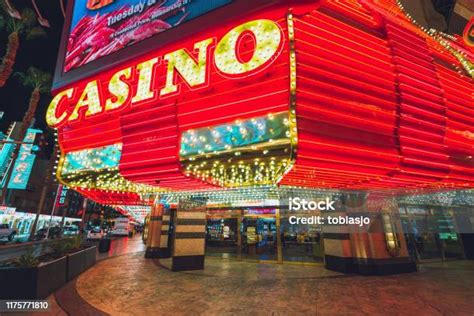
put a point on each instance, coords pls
(141, 82)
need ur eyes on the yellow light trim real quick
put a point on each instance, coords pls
(267, 42)
(194, 73)
(90, 98)
(119, 89)
(144, 89)
(51, 118)
(292, 121)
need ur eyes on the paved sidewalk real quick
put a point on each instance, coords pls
(123, 282)
(132, 285)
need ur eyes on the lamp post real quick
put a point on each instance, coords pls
(44, 191)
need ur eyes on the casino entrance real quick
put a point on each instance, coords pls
(243, 234)
(261, 234)
(256, 225)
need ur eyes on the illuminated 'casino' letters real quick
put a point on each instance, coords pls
(193, 68)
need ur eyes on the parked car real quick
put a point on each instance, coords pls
(95, 233)
(7, 232)
(54, 232)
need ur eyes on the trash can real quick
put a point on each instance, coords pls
(104, 245)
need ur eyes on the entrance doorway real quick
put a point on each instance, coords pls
(222, 233)
(261, 234)
(248, 234)
(301, 242)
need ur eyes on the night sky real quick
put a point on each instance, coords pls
(40, 53)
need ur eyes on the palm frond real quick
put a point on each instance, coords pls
(36, 79)
(3, 16)
(24, 25)
(10, 9)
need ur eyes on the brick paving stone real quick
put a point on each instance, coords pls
(132, 285)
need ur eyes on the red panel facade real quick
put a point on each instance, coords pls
(378, 106)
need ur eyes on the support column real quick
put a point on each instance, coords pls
(189, 235)
(157, 225)
(376, 250)
(337, 243)
(164, 251)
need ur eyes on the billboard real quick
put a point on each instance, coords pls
(24, 163)
(102, 27)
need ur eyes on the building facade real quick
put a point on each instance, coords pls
(217, 114)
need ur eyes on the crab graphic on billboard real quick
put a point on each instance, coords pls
(100, 28)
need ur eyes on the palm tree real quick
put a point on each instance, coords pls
(16, 27)
(37, 79)
(40, 81)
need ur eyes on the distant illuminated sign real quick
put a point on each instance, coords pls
(5, 157)
(260, 211)
(6, 210)
(61, 195)
(416, 211)
(24, 162)
(101, 27)
(138, 212)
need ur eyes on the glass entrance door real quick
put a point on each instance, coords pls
(222, 234)
(259, 234)
(301, 242)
